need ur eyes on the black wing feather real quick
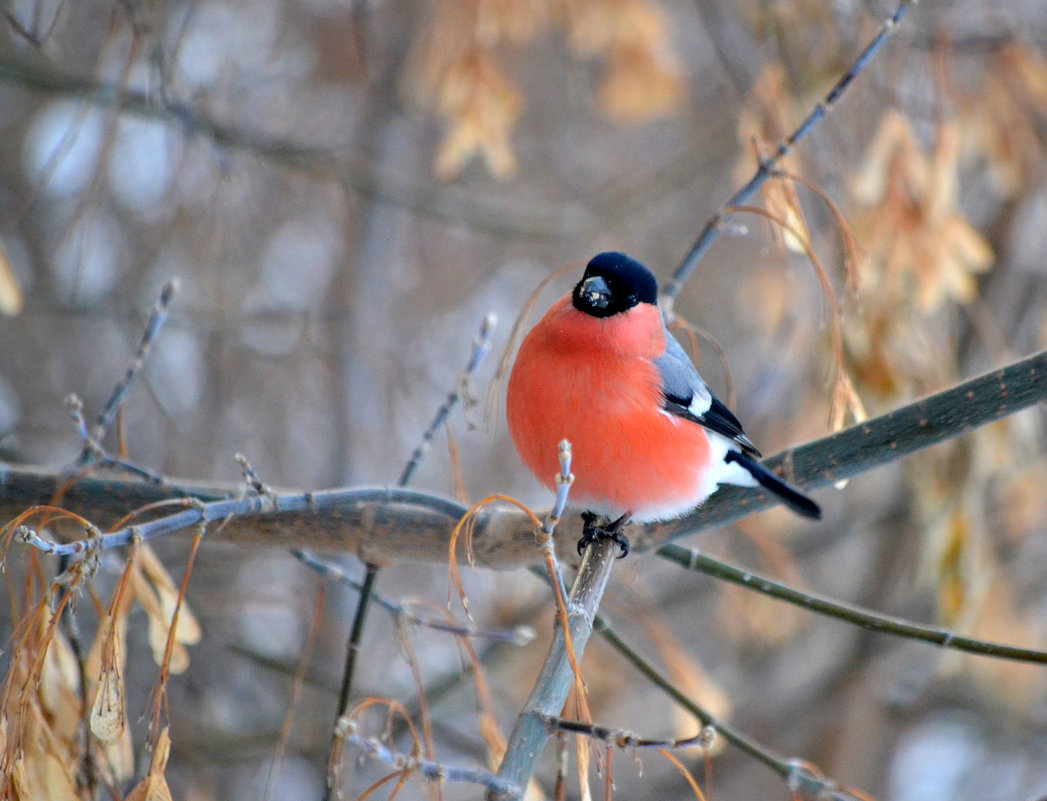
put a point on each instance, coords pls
(718, 418)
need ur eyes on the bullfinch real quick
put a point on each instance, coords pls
(650, 441)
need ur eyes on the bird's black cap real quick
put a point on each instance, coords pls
(614, 283)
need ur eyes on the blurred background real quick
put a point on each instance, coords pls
(345, 189)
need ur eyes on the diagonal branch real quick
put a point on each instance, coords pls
(714, 227)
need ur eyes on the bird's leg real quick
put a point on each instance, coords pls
(595, 528)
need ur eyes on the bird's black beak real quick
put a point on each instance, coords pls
(593, 296)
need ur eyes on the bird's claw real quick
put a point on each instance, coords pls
(593, 533)
(593, 536)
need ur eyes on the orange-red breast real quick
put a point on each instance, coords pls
(649, 439)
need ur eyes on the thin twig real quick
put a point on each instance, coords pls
(160, 698)
(691, 559)
(462, 385)
(622, 738)
(297, 685)
(711, 232)
(411, 657)
(92, 452)
(520, 635)
(356, 632)
(436, 771)
(564, 480)
(152, 329)
(93, 455)
(251, 478)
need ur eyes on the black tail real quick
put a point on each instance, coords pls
(789, 495)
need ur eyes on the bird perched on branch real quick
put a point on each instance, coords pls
(650, 441)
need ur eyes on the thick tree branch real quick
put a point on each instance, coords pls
(398, 525)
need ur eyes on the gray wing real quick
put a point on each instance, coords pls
(686, 395)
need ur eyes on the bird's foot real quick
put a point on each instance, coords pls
(596, 528)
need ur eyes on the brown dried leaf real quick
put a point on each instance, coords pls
(638, 86)
(58, 783)
(765, 118)
(955, 559)
(453, 68)
(598, 26)
(781, 200)
(43, 769)
(59, 686)
(1002, 129)
(188, 629)
(107, 711)
(512, 21)
(158, 598)
(158, 624)
(153, 787)
(158, 631)
(971, 250)
(107, 659)
(582, 759)
(920, 256)
(482, 107)
(893, 137)
(119, 756)
(534, 791)
(943, 176)
(846, 407)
